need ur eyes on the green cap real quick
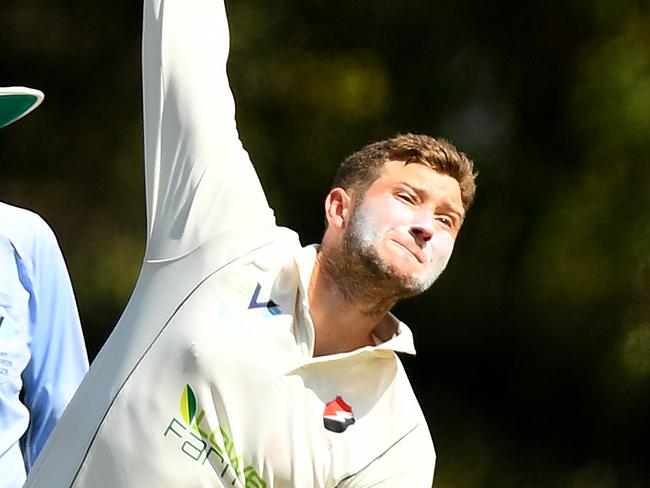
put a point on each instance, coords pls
(16, 102)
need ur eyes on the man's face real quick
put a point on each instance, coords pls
(406, 224)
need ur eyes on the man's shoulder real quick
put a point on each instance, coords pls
(24, 228)
(408, 399)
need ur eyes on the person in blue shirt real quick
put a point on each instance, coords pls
(42, 352)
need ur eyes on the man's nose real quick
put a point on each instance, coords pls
(422, 233)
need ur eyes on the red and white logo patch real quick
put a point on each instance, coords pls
(338, 415)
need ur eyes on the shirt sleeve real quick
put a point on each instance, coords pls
(200, 182)
(409, 462)
(58, 352)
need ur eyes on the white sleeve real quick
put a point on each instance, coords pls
(199, 180)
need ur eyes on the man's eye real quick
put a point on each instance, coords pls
(446, 221)
(406, 197)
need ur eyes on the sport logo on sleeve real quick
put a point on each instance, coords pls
(338, 415)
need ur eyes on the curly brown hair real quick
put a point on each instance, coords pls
(358, 171)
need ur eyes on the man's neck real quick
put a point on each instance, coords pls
(341, 324)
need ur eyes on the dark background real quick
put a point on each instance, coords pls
(534, 347)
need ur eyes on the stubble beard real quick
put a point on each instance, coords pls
(362, 277)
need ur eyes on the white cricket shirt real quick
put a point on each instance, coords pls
(209, 377)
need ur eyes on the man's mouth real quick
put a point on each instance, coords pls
(416, 252)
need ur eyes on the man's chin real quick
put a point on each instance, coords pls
(413, 284)
(408, 285)
(402, 281)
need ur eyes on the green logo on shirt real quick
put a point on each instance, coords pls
(188, 405)
(204, 445)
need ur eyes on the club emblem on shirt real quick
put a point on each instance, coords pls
(270, 305)
(338, 415)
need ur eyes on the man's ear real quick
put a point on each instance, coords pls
(338, 205)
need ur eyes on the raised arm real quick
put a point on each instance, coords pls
(200, 181)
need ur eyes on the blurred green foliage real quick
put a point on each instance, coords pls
(534, 347)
